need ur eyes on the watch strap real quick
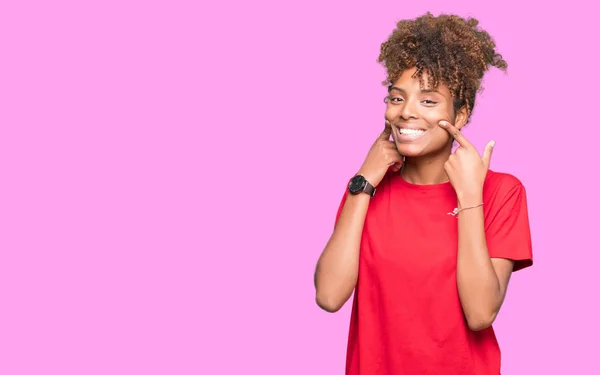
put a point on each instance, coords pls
(369, 189)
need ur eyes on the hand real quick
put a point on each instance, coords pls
(466, 169)
(382, 156)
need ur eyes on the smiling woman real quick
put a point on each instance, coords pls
(414, 114)
(427, 239)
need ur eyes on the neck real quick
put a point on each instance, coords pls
(428, 169)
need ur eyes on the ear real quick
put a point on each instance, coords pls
(462, 116)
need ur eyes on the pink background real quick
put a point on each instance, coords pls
(170, 173)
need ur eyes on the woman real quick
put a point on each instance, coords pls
(426, 238)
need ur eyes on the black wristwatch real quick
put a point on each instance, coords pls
(359, 184)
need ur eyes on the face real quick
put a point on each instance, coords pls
(415, 112)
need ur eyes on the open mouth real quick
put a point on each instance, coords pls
(408, 134)
(413, 132)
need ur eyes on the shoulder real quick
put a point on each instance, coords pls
(501, 183)
(503, 194)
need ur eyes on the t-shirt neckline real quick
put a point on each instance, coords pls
(440, 187)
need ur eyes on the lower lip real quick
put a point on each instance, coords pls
(408, 137)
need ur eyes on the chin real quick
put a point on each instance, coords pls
(411, 149)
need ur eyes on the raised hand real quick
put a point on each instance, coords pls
(465, 168)
(382, 156)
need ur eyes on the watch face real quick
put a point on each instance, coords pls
(357, 184)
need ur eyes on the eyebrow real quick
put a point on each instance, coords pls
(425, 91)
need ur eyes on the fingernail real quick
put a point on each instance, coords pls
(492, 143)
(443, 124)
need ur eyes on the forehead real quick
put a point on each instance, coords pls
(406, 82)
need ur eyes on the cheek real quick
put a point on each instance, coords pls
(439, 136)
(390, 113)
(433, 118)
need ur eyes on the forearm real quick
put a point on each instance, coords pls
(337, 269)
(478, 285)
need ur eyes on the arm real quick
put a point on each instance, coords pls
(486, 257)
(337, 268)
(482, 281)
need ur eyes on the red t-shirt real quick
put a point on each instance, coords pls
(406, 313)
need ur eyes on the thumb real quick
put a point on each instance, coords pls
(487, 154)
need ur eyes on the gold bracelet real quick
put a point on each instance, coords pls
(456, 210)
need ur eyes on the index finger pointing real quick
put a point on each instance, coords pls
(387, 131)
(455, 133)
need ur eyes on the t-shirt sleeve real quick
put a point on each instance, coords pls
(508, 233)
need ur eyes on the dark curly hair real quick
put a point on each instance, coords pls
(451, 49)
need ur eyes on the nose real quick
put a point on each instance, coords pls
(408, 110)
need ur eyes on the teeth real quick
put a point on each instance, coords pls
(411, 131)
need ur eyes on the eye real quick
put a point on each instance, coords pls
(396, 100)
(429, 102)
